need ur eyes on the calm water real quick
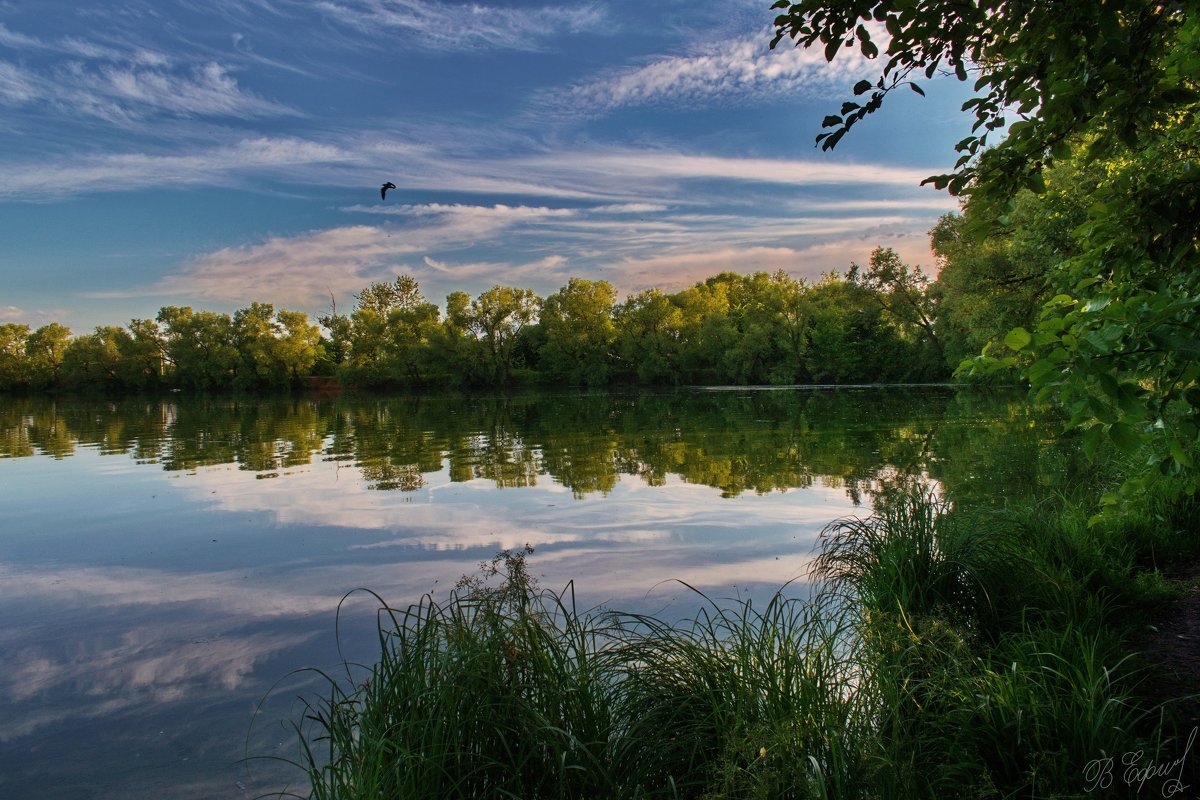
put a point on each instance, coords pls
(165, 567)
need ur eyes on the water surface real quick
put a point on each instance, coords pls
(165, 567)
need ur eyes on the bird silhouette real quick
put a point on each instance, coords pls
(383, 189)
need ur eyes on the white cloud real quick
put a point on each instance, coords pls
(629, 208)
(36, 317)
(123, 86)
(676, 269)
(742, 70)
(16, 85)
(442, 26)
(498, 212)
(117, 92)
(296, 271)
(130, 171)
(621, 166)
(17, 41)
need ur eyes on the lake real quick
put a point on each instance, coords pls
(167, 569)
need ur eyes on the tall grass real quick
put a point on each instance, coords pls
(944, 655)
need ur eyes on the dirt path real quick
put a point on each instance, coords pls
(1173, 655)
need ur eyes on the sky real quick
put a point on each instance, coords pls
(214, 153)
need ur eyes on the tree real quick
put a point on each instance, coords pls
(648, 327)
(98, 358)
(496, 318)
(849, 341)
(706, 331)
(451, 347)
(200, 347)
(383, 297)
(14, 358)
(903, 292)
(579, 333)
(46, 347)
(409, 333)
(772, 317)
(336, 348)
(297, 344)
(254, 332)
(146, 354)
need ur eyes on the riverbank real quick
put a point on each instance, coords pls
(945, 652)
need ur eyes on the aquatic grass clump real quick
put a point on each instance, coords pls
(742, 702)
(497, 692)
(913, 558)
(988, 659)
(1051, 700)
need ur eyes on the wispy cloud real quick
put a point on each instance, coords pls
(33, 317)
(79, 77)
(498, 212)
(18, 41)
(296, 271)
(300, 271)
(16, 84)
(741, 71)
(131, 171)
(445, 26)
(630, 208)
(123, 92)
(616, 166)
(677, 269)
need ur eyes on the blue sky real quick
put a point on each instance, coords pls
(212, 153)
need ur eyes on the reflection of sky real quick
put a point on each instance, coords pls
(143, 613)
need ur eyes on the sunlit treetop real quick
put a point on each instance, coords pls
(1044, 71)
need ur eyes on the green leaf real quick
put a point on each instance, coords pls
(1039, 370)
(917, 89)
(1091, 441)
(1102, 411)
(1125, 438)
(862, 87)
(1018, 338)
(1108, 384)
(1180, 455)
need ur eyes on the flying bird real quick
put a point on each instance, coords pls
(383, 189)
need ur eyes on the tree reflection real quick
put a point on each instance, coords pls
(871, 443)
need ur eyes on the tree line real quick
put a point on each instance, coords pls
(877, 323)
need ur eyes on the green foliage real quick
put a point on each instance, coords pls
(14, 358)
(649, 327)
(728, 329)
(1107, 93)
(199, 347)
(577, 324)
(46, 348)
(1112, 69)
(903, 292)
